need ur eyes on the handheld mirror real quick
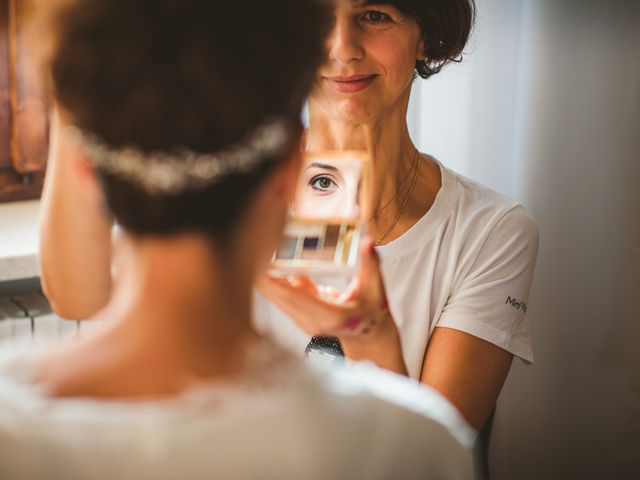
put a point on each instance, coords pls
(327, 217)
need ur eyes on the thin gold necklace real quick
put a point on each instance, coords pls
(398, 190)
(405, 200)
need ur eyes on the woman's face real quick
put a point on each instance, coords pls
(329, 188)
(371, 56)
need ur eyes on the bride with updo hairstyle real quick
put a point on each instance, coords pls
(187, 114)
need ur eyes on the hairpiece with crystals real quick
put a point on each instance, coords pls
(183, 169)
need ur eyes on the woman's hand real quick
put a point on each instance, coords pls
(359, 317)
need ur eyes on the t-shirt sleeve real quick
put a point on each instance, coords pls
(490, 298)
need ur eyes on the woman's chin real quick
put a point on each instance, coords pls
(353, 110)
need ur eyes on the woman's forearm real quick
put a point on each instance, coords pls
(75, 234)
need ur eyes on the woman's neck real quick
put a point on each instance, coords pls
(178, 314)
(393, 154)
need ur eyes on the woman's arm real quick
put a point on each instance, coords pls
(483, 326)
(467, 370)
(75, 232)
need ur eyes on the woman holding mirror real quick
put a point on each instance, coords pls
(442, 293)
(443, 290)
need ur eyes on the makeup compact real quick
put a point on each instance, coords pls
(327, 217)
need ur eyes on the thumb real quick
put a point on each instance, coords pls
(370, 277)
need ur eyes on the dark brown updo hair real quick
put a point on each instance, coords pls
(445, 26)
(164, 74)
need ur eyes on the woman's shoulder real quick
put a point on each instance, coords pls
(318, 413)
(477, 206)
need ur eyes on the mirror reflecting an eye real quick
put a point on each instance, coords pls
(327, 217)
(329, 187)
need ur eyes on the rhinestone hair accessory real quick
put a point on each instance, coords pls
(183, 169)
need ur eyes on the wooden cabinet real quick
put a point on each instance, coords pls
(24, 112)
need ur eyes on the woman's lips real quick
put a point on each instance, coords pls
(350, 84)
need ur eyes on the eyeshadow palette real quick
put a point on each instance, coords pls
(317, 247)
(327, 217)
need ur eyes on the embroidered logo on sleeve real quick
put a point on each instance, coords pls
(518, 305)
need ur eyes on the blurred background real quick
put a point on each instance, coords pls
(545, 109)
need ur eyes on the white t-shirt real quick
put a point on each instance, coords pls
(466, 264)
(281, 419)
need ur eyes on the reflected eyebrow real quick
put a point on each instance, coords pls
(368, 3)
(324, 166)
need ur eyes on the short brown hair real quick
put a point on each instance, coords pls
(445, 26)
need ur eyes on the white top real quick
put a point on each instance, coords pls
(466, 264)
(281, 419)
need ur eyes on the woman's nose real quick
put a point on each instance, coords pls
(351, 204)
(344, 44)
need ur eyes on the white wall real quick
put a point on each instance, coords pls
(465, 115)
(546, 109)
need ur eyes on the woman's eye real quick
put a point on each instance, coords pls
(323, 183)
(374, 16)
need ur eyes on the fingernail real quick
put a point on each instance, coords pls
(354, 322)
(385, 304)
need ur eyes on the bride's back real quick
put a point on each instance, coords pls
(282, 420)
